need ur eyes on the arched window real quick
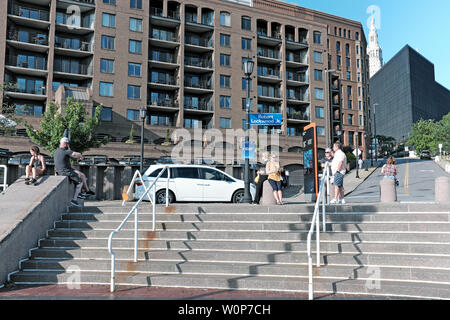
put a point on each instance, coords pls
(225, 19)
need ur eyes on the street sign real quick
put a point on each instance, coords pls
(311, 185)
(266, 119)
(248, 150)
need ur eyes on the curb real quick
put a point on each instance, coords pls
(350, 192)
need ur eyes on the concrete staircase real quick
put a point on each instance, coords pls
(403, 251)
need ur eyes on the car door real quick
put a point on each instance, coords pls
(216, 185)
(162, 181)
(188, 184)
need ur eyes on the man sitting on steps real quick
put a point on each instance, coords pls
(63, 167)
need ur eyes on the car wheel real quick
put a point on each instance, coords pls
(238, 196)
(161, 197)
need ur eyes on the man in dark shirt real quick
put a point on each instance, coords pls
(63, 167)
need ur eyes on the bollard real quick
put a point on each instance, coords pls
(388, 192)
(267, 198)
(442, 189)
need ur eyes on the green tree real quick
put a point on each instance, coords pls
(443, 133)
(423, 136)
(75, 119)
(8, 110)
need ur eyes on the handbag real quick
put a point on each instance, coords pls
(257, 179)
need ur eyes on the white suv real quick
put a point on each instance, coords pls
(193, 183)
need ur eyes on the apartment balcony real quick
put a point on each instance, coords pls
(296, 60)
(67, 24)
(170, 105)
(73, 72)
(193, 26)
(27, 65)
(35, 94)
(265, 95)
(298, 116)
(197, 87)
(67, 47)
(268, 56)
(157, 18)
(163, 60)
(29, 17)
(294, 45)
(269, 40)
(164, 83)
(196, 65)
(85, 5)
(198, 108)
(196, 44)
(297, 80)
(164, 39)
(297, 98)
(268, 77)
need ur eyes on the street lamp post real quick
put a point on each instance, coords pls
(357, 155)
(248, 70)
(327, 105)
(365, 139)
(375, 128)
(143, 115)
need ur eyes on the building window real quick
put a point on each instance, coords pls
(359, 77)
(225, 102)
(225, 123)
(134, 92)
(224, 40)
(357, 63)
(350, 138)
(338, 60)
(347, 49)
(357, 35)
(347, 62)
(246, 23)
(357, 49)
(317, 37)
(246, 44)
(320, 131)
(106, 89)
(111, 2)
(349, 91)
(349, 75)
(135, 25)
(105, 115)
(318, 93)
(319, 112)
(106, 65)
(338, 46)
(134, 69)
(225, 19)
(136, 4)
(350, 120)
(359, 105)
(350, 104)
(133, 115)
(361, 120)
(135, 46)
(108, 42)
(335, 31)
(225, 81)
(108, 20)
(225, 60)
(318, 75)
(317, 57)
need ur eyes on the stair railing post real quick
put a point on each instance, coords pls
(167, 186)
(154, 207)
(136, 235)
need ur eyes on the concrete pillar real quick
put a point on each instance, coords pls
(108, 183)
(96, 178)
(388, 192)
(267, 198)
(442, 189)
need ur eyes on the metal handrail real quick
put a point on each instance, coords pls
(316, 221)
(135, 211)
(5, 177)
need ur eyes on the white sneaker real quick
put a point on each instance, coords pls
(342, 201)
(334, 201)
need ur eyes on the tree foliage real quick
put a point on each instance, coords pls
(8, 110)
(74, 118)
(427, 135)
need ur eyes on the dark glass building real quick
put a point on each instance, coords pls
(405, 91)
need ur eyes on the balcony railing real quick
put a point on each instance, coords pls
(202, 105)
(291, 38)
(268, 93)
(197, 84)
(30, 13)
(31, 38)
(164, 80)
(164, 35)
(65, 19)
(298, 96)
(81, 69)
(73, 45)
(171, 103)
(296, 58)
(29, 62)
(201, 42)
(196, 62)
(158, 12)
(163, 57)
(298, 115)
(268, 53)
(30, 90)
(85, 1)
(297, 77)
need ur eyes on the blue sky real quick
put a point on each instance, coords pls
(424, 25)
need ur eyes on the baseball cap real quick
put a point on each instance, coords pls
(327, 150)
(65, 140)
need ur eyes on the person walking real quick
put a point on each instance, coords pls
(36, 168)
(338, 168)
(327, 158)
(389, 170)
(274, 177)
(261, 178)
(63, 167)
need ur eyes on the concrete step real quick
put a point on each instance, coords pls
(281, 257)
(254, 226)
(328, 246)
(244, 269)
(300, 235)
(262, 217)
(290, 284)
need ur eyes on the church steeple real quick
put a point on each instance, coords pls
(374, 51)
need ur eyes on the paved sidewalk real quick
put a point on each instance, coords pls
(351, 182)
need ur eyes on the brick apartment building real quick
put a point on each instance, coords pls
(183, 60)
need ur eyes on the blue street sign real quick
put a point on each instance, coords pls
(248, 150)
(266, 119)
